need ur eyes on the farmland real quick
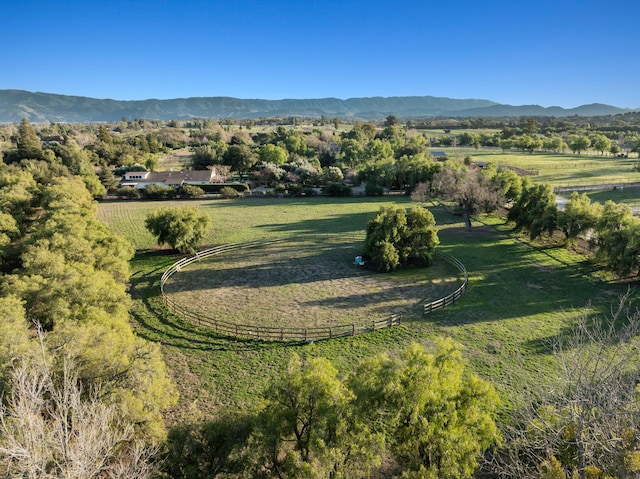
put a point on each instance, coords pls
(519, 296)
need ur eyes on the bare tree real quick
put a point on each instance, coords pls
(471, 190)
(586, 421)
(51, 428)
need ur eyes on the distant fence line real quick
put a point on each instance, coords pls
(591, 186)
(271, 333)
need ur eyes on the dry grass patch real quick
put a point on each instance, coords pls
(308, 283)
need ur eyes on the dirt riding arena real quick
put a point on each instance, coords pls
(311, 282)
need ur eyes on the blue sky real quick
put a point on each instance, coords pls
(562, 52)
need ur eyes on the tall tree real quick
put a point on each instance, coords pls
(437, 419)
(579, 216)
(307, 428)
(396, 238)
(470, 189)
(181, 228)
(28, 142)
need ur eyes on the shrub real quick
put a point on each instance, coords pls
(128, 192)
(228, 192)
(336, 189)
(372, 189)
(190, 191)
(159, 192)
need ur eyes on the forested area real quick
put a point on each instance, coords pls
(84, 396)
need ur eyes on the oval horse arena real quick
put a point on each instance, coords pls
(303, 288)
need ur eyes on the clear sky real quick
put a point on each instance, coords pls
(546, 52)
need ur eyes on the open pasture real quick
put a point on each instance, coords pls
(519, 297)
(308, 281)
(558, 169)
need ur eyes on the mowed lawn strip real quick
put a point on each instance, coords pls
(519, 297)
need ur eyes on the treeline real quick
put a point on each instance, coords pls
(330, 154)
(611, 230)
(417, 415)
(65, 339)
(532, 137)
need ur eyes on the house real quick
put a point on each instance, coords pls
(439, 155)
(142, 179)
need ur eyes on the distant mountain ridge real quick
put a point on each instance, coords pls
(48, 107)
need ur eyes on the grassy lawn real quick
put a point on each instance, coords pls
(627, 196)
(561, 169)
(519, 296)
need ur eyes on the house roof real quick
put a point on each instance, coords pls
(440, 154)
(173, 177)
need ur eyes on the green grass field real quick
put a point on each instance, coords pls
(519, 297)
(558, 170)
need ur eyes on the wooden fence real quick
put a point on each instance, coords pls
(453, 297)
(270, 333)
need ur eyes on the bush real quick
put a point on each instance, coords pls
(181, 228)
(336, 189)
(128, 193)
(190, 191)
(159, 192)
(228, 192)
(372, 189)
(215, 188)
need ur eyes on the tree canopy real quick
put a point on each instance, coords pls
(181, 228)
(396, 237)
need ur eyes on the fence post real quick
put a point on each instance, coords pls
(353, 329)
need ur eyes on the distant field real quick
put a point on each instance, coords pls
(177, 160)
(519, 296)
(559, 170)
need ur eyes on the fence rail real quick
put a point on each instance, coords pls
(453, 297)
(270, 333)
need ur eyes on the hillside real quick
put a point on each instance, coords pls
(46, 107)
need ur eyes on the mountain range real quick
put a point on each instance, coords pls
(47, 107)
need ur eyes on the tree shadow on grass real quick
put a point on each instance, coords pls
(512, 279)
(155, 323)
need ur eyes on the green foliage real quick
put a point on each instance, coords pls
(28, 142)
(437, 420)
(128, 192)
(617, 239)
(371, 189)
(579, 216)
(15, 344)
(229, 192)
(578, 143)
(396, 238)
(181, 228)
(307, 427)
(271, 153)
(535, 210)
(206, 450)
(189, 191)
(473, 191)
(240, 157)
(159, 192)
(336, 189)
(70, 278)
